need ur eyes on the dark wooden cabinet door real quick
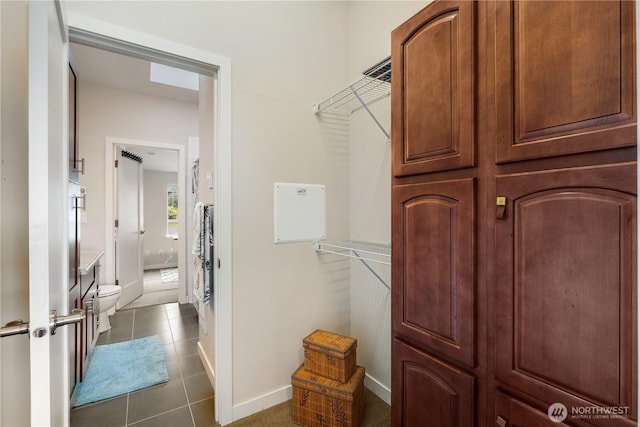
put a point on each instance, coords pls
(565, 289)
(74, 341)
(564, 77)
(429, 392)
(74, 156)
(511, 412)
(432, 93)
(433, 266)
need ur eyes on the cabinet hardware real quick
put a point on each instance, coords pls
(501, 206)
(81, 161)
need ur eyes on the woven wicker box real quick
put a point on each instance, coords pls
(330, 355)
(322, 402)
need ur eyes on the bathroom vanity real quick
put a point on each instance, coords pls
(84, 295)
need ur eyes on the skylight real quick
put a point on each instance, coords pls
(174, 76)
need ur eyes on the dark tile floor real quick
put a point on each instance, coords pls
(185, 401)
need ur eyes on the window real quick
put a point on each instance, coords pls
(172, 210)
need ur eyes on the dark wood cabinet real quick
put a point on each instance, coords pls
(433, 67)
(433, 393)
(90, 304)
(511, 412)
(434, 290)
(514, 211)
(565, 274)
(75, 163)
(565, 80)
(75, 343)
(74, 206)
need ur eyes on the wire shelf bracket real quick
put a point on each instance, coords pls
(375, 85)
(364, 252)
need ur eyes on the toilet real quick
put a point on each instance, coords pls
(108, 297)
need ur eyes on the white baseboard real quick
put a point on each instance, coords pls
(379, 389)
(283, 394)
(260, 403)
(207, 366)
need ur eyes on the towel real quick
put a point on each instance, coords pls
(198, 279)
(196, 229)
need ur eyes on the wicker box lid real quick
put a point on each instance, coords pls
(331, 343)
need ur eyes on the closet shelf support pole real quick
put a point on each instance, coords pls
(376, 275)
(364, 105)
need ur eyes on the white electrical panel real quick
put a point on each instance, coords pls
(299, 212)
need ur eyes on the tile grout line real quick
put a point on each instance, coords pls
(184, 386)
(126, 412)
(157, 415)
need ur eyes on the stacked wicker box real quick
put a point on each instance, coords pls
(328, 388)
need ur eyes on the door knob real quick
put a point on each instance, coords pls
(76, 316)
(19, 327)
(14, 328)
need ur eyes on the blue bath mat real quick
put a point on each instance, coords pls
(119, 368)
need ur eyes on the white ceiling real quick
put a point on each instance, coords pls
(110, 69)
(122, 72)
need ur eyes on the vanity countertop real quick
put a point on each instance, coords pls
(89, 258)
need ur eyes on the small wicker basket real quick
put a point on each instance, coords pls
(330, 355)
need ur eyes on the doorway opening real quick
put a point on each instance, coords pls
(214, 347)
(162, 253)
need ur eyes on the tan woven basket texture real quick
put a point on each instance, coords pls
(330, 355)
(321, 402)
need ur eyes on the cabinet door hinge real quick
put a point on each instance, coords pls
(116, 223)
(115, 163)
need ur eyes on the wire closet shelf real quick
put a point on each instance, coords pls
(375, 84)
(365, 252)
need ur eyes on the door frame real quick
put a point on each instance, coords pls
(109, 202)
(222, 295)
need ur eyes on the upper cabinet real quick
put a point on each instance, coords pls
(433, 90)
(564, 77)
(75, 163)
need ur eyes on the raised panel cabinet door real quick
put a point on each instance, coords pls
(432, 93)
(511, 412)
(428, 391)
(74, 148)
(433, 268)
(565, 286)
(564, 77)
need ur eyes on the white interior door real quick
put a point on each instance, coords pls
(129, 233)
(48, 212)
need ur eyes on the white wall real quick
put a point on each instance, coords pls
(14, 233)
(370, 26)
(159, 251)
(105, 112)
(285, 56)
